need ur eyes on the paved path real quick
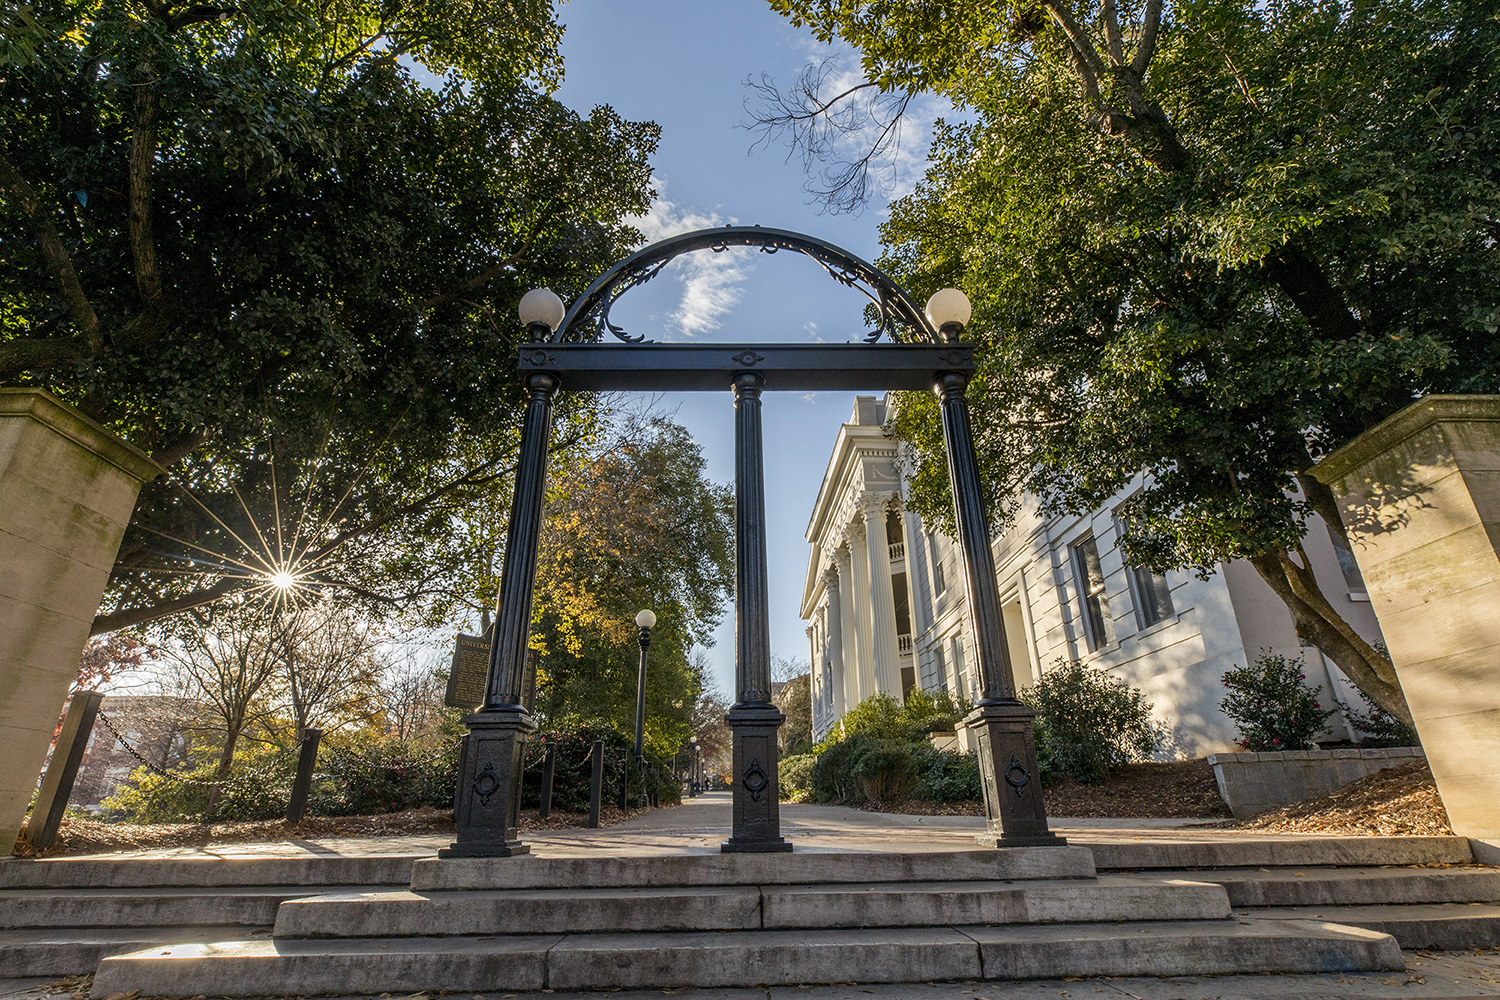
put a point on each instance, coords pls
(699, 825)
(1429, 975)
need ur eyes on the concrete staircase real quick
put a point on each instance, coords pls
(475, 925)
(62, 917)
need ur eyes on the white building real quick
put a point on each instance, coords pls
(884, 599)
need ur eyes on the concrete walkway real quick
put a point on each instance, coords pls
(699, 825)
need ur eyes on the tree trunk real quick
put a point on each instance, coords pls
(1317, 622)
(226, 763)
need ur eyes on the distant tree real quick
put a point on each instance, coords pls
(410, 697)
(248, 238)
(1209, 241)
(329, 668)
(793, 696)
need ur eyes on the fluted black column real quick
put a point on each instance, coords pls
(752, 719)
(489, 781)
(1007, 745)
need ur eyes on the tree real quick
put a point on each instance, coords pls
(411, 697)
(249, 239)
(1209, 243)
(632, 523)
(226, 667)
(793, 696)
(329, 668)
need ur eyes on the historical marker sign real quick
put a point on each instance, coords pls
(471, 668)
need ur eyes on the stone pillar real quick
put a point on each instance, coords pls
(886, 671)
(836, 614)
(752, 718)
(859, 561)
(1420, 496)
(1007, 745)
(67, 490)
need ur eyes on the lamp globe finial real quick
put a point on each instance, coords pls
(542, 305)
(645, 619)
(948, 306)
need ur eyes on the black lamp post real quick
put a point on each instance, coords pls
(644, 620)
(1007, 746)
(693, 771)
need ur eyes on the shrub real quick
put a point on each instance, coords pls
(1273, 705)
(881, 716)
(1378, 728)
(365, 774)
(1089, 722)
(832, 777)
(257, 788)
(947, 775)
(886, 772)
(794, 773)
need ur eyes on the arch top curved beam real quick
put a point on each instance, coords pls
(901, 319)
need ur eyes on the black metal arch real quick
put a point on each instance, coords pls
(894, 307)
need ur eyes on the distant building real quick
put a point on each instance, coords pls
(156, 725)
(884, 599)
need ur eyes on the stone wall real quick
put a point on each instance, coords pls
(1254, 782)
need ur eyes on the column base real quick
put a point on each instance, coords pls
(489, 786)
(1011, 778)
(757, 797)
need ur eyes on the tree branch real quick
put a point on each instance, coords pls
(142, 164)
(1305, 283)
(1146, 48)
(1085, 57)
(140, 616)
(1112, 40)
(58, 259)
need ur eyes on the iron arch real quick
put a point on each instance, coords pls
(901, 319)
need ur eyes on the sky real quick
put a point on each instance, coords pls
(683, 64)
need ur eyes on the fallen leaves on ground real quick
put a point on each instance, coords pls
(1399, 801)
(82, 836)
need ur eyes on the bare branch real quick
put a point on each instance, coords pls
(58, 260)
(142, 167)
(152, 612)
(851, 134)
(1085, 57)
(1111, 18)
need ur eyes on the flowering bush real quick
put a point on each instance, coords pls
(1275, 708)
(1089, 722)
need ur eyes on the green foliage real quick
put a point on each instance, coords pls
(1273, 705)
(864, 768)
(257, 788)
(370, 774)
(1089, 722)
(883, 717)
(794, 773)
(316, 307)
(1377, 727)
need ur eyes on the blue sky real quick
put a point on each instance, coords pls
(682, 64)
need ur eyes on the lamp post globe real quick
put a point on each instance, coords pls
(948, 310)
(541, 307)
(644, 620)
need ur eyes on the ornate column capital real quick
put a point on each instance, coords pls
(873, 504)
(854, 533)
(831, 575)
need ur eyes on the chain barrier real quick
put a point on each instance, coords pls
(150, 766)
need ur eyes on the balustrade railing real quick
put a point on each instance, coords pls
(903, 644)
(898, 551)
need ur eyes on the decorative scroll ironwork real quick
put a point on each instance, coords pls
(899, 318)
(486, 784)
(1016, 775)
(756, 780)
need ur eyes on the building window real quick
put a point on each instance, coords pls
(938, 583)
(1090, 578)
(1353, 578)
(940, 667)
(960, 672)
(1153, 598)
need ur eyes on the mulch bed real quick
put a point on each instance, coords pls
(1176, 790)
(80, 836)
(1399, 801)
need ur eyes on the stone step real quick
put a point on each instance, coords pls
(82, 873)
(1447, 926)
(738, 958)
(683, 908)
(528, 871)
(1353, 886)
(71, 952)
(1280, 851)
(246, 906)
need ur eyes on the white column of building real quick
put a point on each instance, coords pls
(847, 689)
(835, 642)
(864, 638)
(886, 671)
(812, 673)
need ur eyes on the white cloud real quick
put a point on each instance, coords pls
(711, 282)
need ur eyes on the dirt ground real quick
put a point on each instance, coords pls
(1399, 801)
(79, 836)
